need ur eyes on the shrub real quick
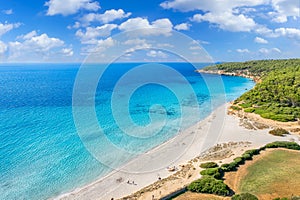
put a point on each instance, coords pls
(236, 108)
(249, 110)
(252, 152)
(209, 165)
(229, 167)
(245, 105)
(283, 144)
(214, 172)
(279, 132)
(239, 160)
(277, 117)
(209, 185)
(284, 198)
(247, 156)
(244, 196)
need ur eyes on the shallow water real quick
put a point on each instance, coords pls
(41, 153)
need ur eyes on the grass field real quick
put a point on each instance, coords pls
(277, 173)
(197, 196)
(274, 173)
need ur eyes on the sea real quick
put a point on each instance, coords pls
(57, 134)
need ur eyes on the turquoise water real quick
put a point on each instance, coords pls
(41, 154)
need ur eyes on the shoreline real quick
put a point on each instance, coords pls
(146, 169)
(121, 169)
(256, 79)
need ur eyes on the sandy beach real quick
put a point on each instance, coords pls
(147, 174)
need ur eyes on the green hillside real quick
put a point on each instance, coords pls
(277, 96)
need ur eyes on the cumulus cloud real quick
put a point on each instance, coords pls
(227, 21)
(260, 40)
(29, 35)
(32, 44)
(288, 32)
(209, 5)
(159, 27)
(91, 34)
(156, 54)
(3, 47)
(243, 50)
(182, 26)
(7, 12)
(292, 33)
(284, 9)
(67, 51)
(136, 41)
(268, 51)
(106, 17)
(68, 7)
(234, 15)
(4, 28)
(99, 46)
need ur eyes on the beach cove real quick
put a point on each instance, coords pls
(152, 165)
(43, 157)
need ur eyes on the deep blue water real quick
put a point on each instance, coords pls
(41, 153)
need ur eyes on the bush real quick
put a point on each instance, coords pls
(229, 167)
(209, 165)
(249, 110)
(247, 156)
(252, 152)
(239, 160)
(236, 108)
(244, 196)
(277, 117)
(283, 144)
(245, 105)
(209, 185)
(279, 132)
(214, 172)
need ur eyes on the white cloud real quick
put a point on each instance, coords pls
(284, 9)
(34, 45)
(76, 25)
(3, 47)
(106, 17)
(209, 5)
(264, 31)
(91, 34)
(227, 21)
(29, 35)
(144, 45)
(237, 15)
(68, 7)
(99, 46)
(159, 27)
(269, 51)
(4, 28)
(260, 40)
(156, 54)
(136, 41)
(243, 50)
(7, 12)
(195, 48)
(288, 32)
(67, 51)
(183, 26)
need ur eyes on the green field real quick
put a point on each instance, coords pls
(277, 173)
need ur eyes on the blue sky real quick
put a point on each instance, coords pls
(69, 30)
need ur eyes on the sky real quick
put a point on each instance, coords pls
(225, 30)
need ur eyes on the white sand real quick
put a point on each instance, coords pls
(145, 169)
